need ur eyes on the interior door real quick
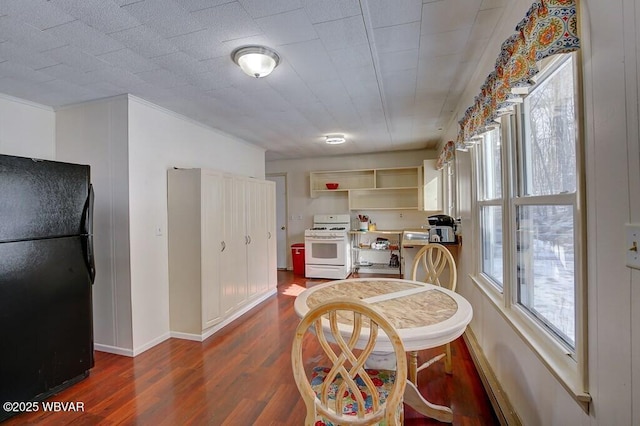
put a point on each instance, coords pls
(281, 219)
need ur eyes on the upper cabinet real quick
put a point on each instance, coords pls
(373, 189)
(432, 187)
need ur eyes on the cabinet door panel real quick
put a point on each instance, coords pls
(257, 230)
(211, 216)
(272, 249)
(239, 231)
(229, 272)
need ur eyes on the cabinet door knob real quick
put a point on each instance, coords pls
(223, 245)
(269, 234)
(282, 229)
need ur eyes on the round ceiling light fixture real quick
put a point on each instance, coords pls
(256, 61)
(335, 139)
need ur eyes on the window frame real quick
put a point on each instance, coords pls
(569, 367)
(483, 201)
(449, 190)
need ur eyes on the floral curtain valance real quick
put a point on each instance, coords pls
(446, 155)
(549, 27)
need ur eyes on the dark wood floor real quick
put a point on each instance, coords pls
(240, 376)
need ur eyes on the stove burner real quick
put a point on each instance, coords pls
(319, 228)
(338, 228)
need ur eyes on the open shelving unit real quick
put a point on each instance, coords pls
(374, 260)
(373, 189)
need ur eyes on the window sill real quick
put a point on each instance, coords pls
(553, 356)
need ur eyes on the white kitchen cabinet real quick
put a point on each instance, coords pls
(432, 187)
(219, 260)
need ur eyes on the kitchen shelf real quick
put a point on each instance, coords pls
(384, 199)
(373, 189)
(371, 260)
(347, 179)
(375, 268)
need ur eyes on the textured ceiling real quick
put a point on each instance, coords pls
(386, 73)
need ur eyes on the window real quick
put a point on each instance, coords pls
(449, 188)
(528, 221)
(490, 205)
(545, 204)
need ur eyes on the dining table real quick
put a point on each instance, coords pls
(424, 315)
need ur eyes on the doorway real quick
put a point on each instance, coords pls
(280, 180)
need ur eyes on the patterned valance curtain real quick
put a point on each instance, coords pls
(549, 27)
(446, 155)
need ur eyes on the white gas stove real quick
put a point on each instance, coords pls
(327, 250)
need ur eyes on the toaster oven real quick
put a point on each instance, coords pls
(442, 234)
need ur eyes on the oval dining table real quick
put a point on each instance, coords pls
(425, 316)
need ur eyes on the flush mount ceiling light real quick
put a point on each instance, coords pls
(335, 139)
(256, 61)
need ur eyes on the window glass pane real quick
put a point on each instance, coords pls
(545, 265)
(492, 167)
(549, 156)
(451, 196)
(492, 243)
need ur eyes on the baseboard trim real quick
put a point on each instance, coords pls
(210, 332)
(137, 351)
(113, 350)
(505, 413)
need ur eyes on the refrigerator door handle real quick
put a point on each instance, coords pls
(88, 231)
(87, 219)
(90, 259)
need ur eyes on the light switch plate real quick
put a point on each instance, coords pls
(632, 231)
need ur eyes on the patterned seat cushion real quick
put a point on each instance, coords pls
(383, 380)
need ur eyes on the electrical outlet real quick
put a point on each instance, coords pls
(400, 215)
(633, 245)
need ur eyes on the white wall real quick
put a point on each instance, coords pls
(95, 133)
(130, 144)
(158, 141)
(26, 129)
(301, 205)
(610, 93)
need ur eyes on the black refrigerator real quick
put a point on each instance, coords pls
(46, 276)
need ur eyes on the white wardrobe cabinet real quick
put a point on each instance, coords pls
(220, 233)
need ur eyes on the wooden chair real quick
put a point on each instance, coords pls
(439, 269)
(344, 392)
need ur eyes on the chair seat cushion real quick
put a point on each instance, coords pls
(382, 379)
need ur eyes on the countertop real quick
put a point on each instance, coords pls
(407, 243)
(379, 231)
(413, 243)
